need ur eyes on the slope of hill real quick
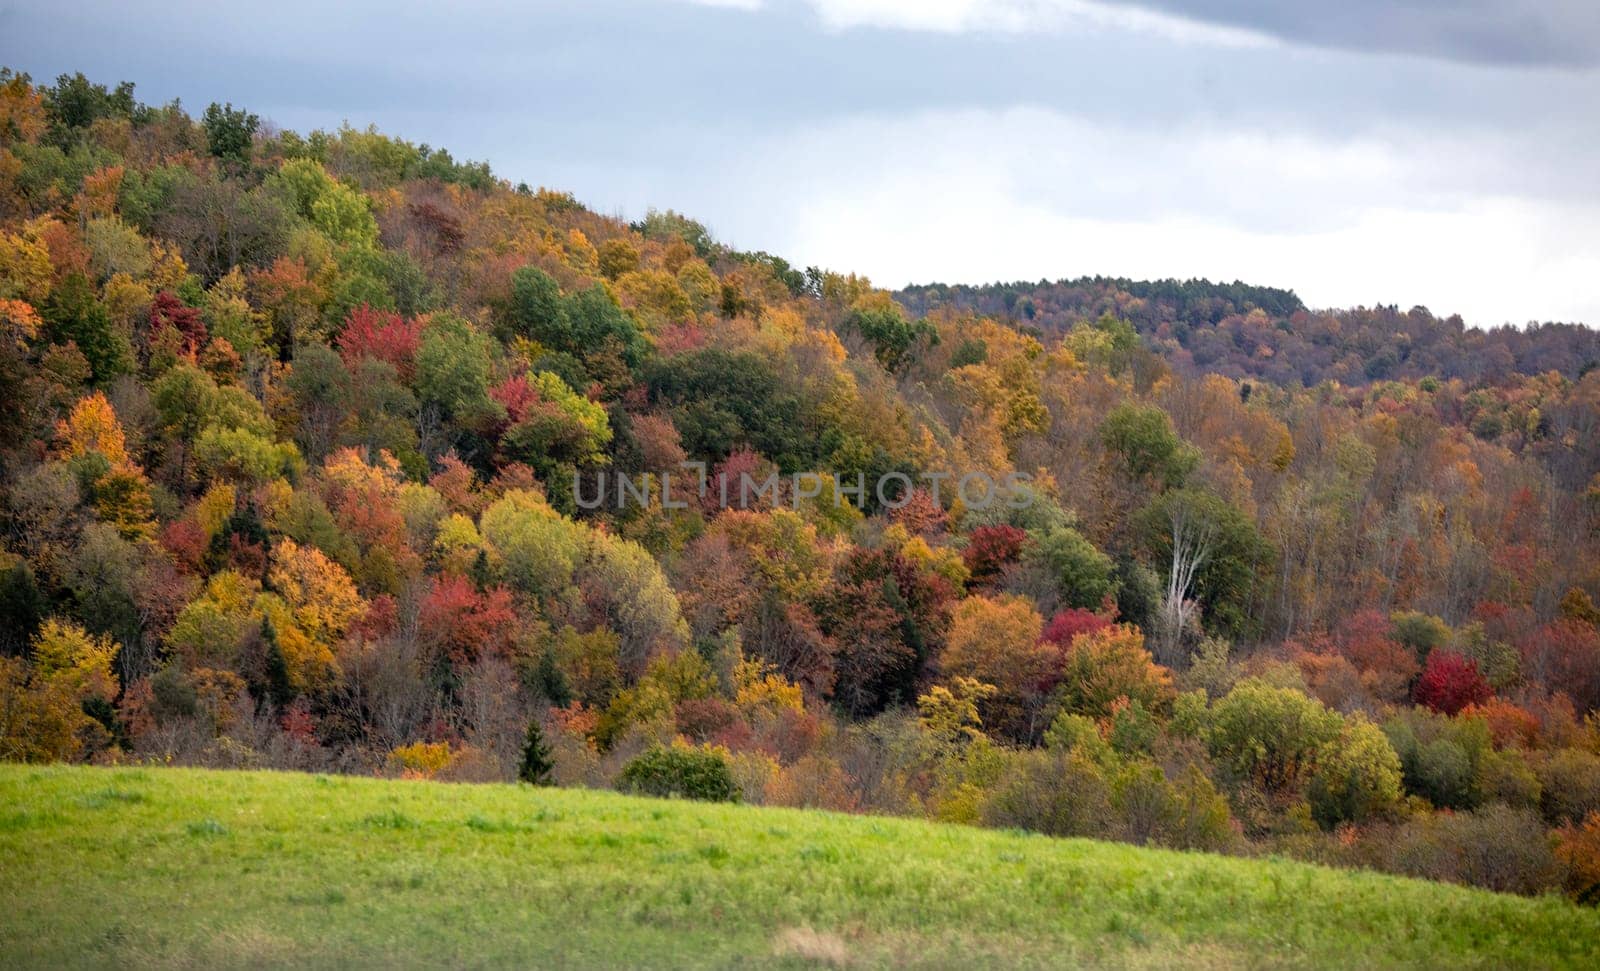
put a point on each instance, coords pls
(180, 867)
(1240, 330)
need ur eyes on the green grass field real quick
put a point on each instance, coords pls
(170, 867)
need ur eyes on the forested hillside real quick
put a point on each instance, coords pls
(1243, 331)
(303, 431)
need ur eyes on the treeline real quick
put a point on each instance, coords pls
(287, 476)
(1244, 331)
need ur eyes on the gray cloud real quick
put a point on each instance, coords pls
(1557, 33)
(786, 133)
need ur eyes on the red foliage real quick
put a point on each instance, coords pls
(186, 541)
(735, 481)
(576, 719)
(516, 395)
(701, 719)
(1503, 623)
(457, 484)
(794, 735)
(169, 311)
(514, 476)
(921, 515)
(1450, 683)
(1069, 623)
(868, 630)
(1386, 665)
(1565, 655)
(381, 618)
(245, 557)
(299, 724)
(990, 548)
(1509, 725)
(465, 624)
(383, 335)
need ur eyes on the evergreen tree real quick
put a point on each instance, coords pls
(536, 760)
(279, 690)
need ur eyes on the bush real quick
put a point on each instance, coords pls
(1269, 735)
(1440, 756)
(1571, 781)
(1054, 794)
(692, 773)
(1357, 776)
(1578, 848)
(1495, 847)
(1188, 814)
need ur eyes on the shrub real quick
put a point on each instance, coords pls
(421, 759)
(814, 782)
(1077, 733)
(1507, 777)
(1187, 814)
(1578, 848)
(1440, 756)
(1106, 665)
(1357, 776)
(1495, 847)
(1571, 781)
(693, 773)
(1269, 735)
(1052, 793)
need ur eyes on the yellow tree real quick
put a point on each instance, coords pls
(91, 432)
(996, 641)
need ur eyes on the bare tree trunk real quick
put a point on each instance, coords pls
(1191, 547)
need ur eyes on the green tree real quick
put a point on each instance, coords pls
(1268, 735)
(1081, 573)
(1145, 446)
(537, 763)
(892, 336)
(229, 131)
(1357, 775)
(74, 314)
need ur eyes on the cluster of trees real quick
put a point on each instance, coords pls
(1244, 331)
(286, 480)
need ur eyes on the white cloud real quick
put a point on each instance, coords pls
(1012, 17)
(1023, 194)
(730, 4)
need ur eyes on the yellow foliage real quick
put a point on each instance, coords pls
(943, 561)
(25, 270)
(215, 507)
(309, 662)
(92, 426)
(320, 592)
(424, 759)
(167, 268)
(21, 322)
(758, 687)
(64, 653)
(953, 715)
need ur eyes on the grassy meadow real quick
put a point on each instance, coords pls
(184, 868)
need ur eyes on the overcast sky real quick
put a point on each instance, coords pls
(1360, 151)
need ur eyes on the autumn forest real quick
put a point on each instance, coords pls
(294, 425)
